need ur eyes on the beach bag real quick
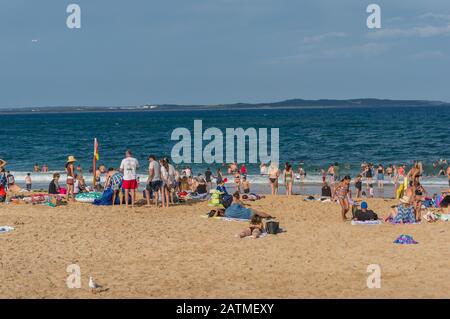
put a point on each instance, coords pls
(272, 227)
(226, 201)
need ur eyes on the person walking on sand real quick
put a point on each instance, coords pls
(128, 168)
(274, 174)
(28, 181)
(70, 181)
(342, 193)
(288, 178)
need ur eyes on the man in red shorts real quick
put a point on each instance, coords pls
(128, 168)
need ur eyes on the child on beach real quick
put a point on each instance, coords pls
(28, 181)
(255, 228)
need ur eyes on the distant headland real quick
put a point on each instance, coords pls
(286, 104)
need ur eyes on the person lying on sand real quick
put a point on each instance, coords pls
(237, 210)
(402, 214)
(255, 228)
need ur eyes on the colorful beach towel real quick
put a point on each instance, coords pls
(405, 240)
(5, 229)
(88, 197)
(366, 222)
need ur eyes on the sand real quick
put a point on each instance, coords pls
(175, 253)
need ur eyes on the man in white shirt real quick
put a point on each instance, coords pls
(128, 167)
(154, 182)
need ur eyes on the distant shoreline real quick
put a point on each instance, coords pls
(283, 105)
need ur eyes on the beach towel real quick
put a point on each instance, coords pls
(88, 197)
(5, 229)
(405, 240)
(443, 217)
(228, 219)
(366, 222)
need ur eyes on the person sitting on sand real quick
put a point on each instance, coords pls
(54, 188)
(404, 213)
(326, 190)
(237, 209)
(255, 228)
(342, 193)
(221, 186)
(445, 205)
(364, 213)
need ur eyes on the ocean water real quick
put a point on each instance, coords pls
(315, 137)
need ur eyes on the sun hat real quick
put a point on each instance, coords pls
(405, 199)
(364, 205)
(71, 159)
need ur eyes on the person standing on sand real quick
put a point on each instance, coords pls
(342, 194)
(28, 181)
(70, 181)
(263, 169)
(128, 168)
(380, 176)
(154, 182)
(208, 175)
(274, 174)
(288, 178)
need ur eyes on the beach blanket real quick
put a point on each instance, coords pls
(5, 229)
(88, 197)
(443, 217)
(366, 222)
(228, 219)
(405, 240)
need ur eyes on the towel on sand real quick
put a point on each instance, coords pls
(366, 222)
(5, 229)
(405, 240)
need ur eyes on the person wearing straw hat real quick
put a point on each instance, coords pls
(404, 213)
(70, 181)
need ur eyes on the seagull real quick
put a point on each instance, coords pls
(93, 285)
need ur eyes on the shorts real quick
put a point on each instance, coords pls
(28, 187)
(246, 191)
(131, 184)
(154, 186)
(380, 177)
(69, 181)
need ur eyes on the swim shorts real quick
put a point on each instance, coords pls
(131, 184)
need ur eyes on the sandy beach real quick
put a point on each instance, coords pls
(176, 253)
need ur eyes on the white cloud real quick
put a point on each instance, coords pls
(427, 55)
(421, 32)
(437, 16)
(325, 36)
(363, 50)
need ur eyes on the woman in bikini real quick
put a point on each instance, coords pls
(342, 193)
(274, 174)
(237, 182)
(70, 181)
(288, 177)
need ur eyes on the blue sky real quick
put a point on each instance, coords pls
(221, 51)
